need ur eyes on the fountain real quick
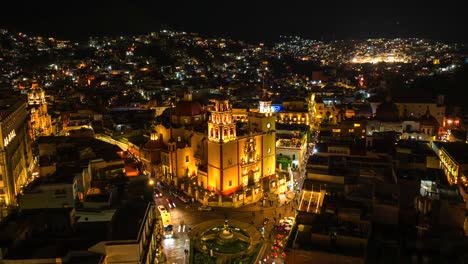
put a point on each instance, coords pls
(226, 235)
(225, 240)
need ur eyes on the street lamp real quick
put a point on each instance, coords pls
(300, 228)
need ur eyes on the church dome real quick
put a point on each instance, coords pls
(188, 108)
(428, 119)
(154, 144)
(387, 111)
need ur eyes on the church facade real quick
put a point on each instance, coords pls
(40, 120)
(221, 159)
(240, 162)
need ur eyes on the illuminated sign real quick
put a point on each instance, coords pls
(8, 138)
(276, 108)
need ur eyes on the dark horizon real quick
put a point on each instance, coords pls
(257, 21)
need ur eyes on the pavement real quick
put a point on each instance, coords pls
(283, 205)
(281, 200)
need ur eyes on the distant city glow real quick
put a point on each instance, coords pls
(382, 58)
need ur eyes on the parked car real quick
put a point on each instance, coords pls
(170, 203)
(205, 208)
(183, 199)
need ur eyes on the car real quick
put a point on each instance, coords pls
(183, 199)
(157, 193)
(205, 208)
(170, 203)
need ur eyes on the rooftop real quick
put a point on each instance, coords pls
(99, 149)
(9, 104)
(457, 150)
(60, 176)
(49, 234)
(128, 219)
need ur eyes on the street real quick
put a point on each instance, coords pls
(184, 216)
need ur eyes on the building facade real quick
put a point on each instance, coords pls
(16, 160)
(244, 162)
(41, 124)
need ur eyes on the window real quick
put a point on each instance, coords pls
(230, 183)
(2, 191)
(186, 158)
(269, 150)
(230, 161)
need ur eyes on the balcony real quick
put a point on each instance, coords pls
(247, 162)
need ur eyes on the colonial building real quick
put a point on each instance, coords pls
(41, 124)
(188, 112)
(240, 162)
(388, 118)
(219, 158)
(15, 148)
(416, 106)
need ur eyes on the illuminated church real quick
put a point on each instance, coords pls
(220, 158)
(240, 161)
(41, 124)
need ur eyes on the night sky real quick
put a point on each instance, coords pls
(249, 20)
